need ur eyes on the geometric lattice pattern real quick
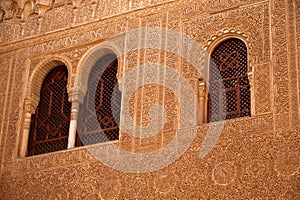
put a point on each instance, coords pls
(99, 114)
(50, 124)
(229, 95)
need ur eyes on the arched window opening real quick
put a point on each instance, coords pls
(99, 115)
(229, 87)
(49, 127)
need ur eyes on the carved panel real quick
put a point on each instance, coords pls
(211, 6)
(78, 38)
(101, 9)
(5, 68)
(150, 94)
(84, 12)
(174, 43)
(10, 30)
(5, 82)
(279, 53)
(297, 22)
(292, 62)
(31, 26)
(262, 88)
(47, 161)
(13, 119)
(63, 16)
(138, 4)
(239, 162)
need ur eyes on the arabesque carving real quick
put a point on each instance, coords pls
(254, 157)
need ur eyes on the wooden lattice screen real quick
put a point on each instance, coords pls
(50, 123)
(228, 78)
(96, 120)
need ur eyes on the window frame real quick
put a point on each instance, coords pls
(33, 140)
(210, 49)
(32, 97)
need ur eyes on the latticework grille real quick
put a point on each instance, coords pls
(229, 85)
(99, 114)
(50, 123)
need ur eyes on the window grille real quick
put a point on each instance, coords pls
(229, 88)
(99, 114)
(50, 124)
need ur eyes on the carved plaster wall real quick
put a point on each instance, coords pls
(255, 157)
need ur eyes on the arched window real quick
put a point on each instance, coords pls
(50, 124)
(229, 88)
(99, 114)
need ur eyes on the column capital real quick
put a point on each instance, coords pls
(30, 105)
(202, 88)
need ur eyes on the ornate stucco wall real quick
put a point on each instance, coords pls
(255, 157)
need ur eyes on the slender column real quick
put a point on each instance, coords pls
(74, 116)
(25, 135)
(202, 102)
(195, 85)
(30, 106)
(73, 125)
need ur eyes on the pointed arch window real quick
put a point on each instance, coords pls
(99, 115)
(49, 127)
(229, 87)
